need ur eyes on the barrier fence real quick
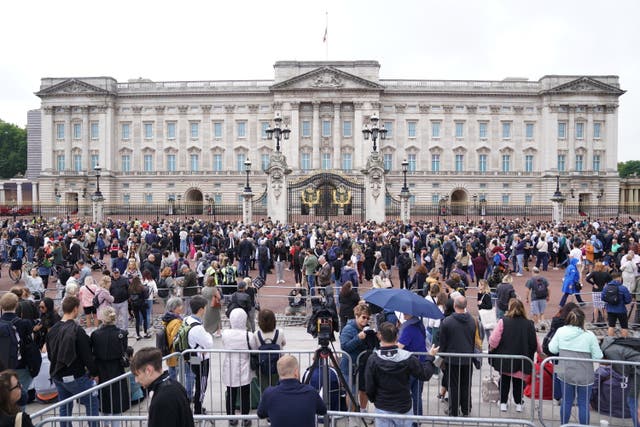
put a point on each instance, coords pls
(617, 383)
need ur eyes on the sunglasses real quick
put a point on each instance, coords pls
(16, 386)
(365, 317)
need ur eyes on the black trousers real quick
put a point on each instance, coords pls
(505, 383)
(459, 378)
(201, 373)
(232, 396)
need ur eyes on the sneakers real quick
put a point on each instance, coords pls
(233, 422)
(519, 407)
(147, 335)
(246, 423)
(503, 407)
(519, 274)
(442, 398)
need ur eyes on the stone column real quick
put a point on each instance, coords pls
(336, 136)
(405, 211)
(375, 187)
(358, 139)
(229, 137)
(2, 193)
(291, 147)
(558, 203)
(97, 208)
(19, 193)
(277, 200)
(315, 140)
(247, 207)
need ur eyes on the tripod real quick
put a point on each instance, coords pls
(323, 356)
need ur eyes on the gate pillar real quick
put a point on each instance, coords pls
(375, 188)
(405, 213)
(277, 200)
(247, 207)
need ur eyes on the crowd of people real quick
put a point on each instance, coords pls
(110, 274)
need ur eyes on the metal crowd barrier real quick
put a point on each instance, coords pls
(610, 403)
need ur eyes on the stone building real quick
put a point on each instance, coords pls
(496, 141)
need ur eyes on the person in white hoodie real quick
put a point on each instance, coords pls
(199, 338)
(236, 370)
(576, 378)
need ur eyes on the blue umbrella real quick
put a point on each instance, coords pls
(404, 301)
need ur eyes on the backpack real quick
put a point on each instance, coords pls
(540, 290)
(162, 340)
(181, 340)
(404, 261)
(448, 249)
(268, 361)
(10, 340)
(611, 294)
(163, 289)
(18, 251)
(95, 301)
(597, 244)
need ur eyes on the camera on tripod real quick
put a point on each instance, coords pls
(323, 322)
(325, 331)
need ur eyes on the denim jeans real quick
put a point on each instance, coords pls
(149, 310)
(311, 279)
(520, 261)
(569, 392)
(90, 401)
(632, 405)
(390, 422)
(416, 386)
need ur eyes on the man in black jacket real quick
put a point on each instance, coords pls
(457, 335)
(119, 290)
(388, 373)
(169, 405)
(72, 363)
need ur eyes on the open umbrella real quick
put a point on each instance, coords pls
(404, 301)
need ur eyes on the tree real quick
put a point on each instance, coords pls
(629, 168)
(13, 150)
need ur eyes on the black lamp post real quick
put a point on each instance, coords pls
(247, 169)
(405, 167)
(558, 195)
(474, 197)
(97, 170)
(277, 131)
(374, 131)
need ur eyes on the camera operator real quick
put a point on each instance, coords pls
(355, 338)
(297, 301)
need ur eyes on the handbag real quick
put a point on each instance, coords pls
(215, 299)
(488, 318)
(386, 283)
(254, 361)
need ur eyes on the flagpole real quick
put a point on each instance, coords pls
(326, 37)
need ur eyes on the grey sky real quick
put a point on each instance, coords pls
(207, 40)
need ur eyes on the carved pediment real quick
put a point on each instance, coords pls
(326, 78)
(586, 85)
(73, 87)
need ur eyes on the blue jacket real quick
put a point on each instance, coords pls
(351, 344)
(571, 277)
(291, 403)
(349, 274)
(626, 298)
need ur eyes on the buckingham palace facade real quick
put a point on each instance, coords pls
(499, 141)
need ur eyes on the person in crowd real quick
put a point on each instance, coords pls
(105, 299)
(349, 274)
(119, 290)
(24, 328)
(439, 299)
(169, 405)
(457, 335)
(598, 278)
(355, 338)
(617, 313)
(290, 402)
(171, 321)
(309, 267)
(389, 374)
(413, 338)
(279, 258)
(86, 293)
(297, 301)
(419, 280)
(538, 294)
(212, 317)
(485, 302)
(109, 346)
(348, 299)
(571, 282)
(576, 378)
(10, 394)
(132, 269)
(236, 371)
(34, 283)
(189, 282)
(267, 332)
(504, 293)
(198, 338)
(515, 335)
(138, 295)
(149, 282)
(48, 317)
(72, 363)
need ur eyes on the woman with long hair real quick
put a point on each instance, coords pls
(48, 318)
(419, 279)
(597, 279)
(138, 295)
(150, 283)
(514, 335)
(576, 378)
(212, 320)
(348, 299)
(109, 346)
(10, 393)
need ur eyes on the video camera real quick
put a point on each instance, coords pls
(323, 322)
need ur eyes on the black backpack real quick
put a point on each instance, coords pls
(268, 361)
(163, 289)
(404, 261)
(10, 344)
(263, 253)
(611, 294)
(540, 289)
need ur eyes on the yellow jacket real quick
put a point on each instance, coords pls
(172, 330)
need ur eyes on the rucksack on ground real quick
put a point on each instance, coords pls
(540, 289)
(611, 294)
(181, 340)
(10, 344)
(268, 361)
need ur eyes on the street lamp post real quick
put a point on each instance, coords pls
(277, 131)
(97, 170)
(374, 131)
(247, 169)
(405, 167)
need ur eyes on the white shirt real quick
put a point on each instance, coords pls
(199, 337)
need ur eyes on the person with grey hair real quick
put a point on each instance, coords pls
(171, 321)
(457, 335)
(109, 346)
